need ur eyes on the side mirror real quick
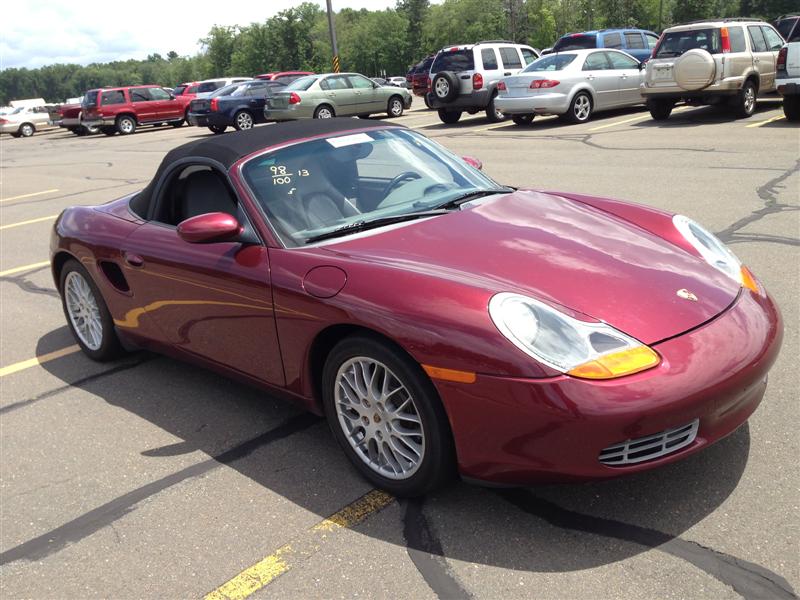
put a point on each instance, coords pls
(209, 228)
(473, 162)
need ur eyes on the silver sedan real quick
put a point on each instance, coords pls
(571, 84)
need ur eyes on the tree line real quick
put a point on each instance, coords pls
(372, 42)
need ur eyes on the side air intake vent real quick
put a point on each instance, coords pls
(653, 446)
(114, 275)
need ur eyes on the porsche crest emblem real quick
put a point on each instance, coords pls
(686, 295)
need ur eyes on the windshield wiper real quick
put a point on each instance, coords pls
(363, 225)
(466, 197)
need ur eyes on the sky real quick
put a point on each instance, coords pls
(37, 32)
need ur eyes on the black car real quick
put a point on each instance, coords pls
(240, 105)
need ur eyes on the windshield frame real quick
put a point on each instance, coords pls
(289, 243)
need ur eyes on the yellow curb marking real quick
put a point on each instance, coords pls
(28, 195)
(770, 120)
(32, 221)
(38, 360)
(24, 268)
(284, 558)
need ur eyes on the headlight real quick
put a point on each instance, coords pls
(578, 348)
(714, 252)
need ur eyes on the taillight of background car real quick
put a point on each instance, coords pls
(294, 98)
(477, 81)
(502, 86)
(543, 84)
(781, 64)
(214, 104)
(726, 40)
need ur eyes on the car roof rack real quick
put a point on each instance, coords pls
(494, 42)
(723, 20)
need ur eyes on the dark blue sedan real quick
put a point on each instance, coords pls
(240, 105)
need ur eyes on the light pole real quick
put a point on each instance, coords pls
(334, 47)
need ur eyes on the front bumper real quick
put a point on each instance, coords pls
(521, 431)
(540, 104)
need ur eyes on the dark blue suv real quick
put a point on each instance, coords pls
(239, 105)
(639, 43)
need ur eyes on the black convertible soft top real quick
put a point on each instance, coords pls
(226, 149)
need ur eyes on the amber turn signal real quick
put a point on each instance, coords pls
(449, 374)
(617, 364)
(749, 281)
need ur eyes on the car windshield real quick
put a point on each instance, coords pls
(551, 62)
(575, 42)
(675, 43)
(324, 185)
(301, 84)
(177, 91)
(454, 60)
(784, 27)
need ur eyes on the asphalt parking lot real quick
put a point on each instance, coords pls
(150, 478)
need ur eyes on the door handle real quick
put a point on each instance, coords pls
(133, 260)
(590, 77)
(465, 77)
(507, 73)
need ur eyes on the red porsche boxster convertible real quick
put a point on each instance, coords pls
(440, 321)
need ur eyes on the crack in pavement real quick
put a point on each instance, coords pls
(425, 551)
(746, 578)
(22, 282)
(88, 523)
(769, 194)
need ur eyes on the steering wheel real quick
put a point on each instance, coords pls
(401, 178)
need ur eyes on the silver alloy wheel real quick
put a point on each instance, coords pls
(378, 417)
(583, 107)
(396, 107)
(749, 99)
(324, 113)
(83, 311)
(442, 88)
(126, 125)
(244, 121)
(26, 130)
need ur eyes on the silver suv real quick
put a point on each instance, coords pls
(464, 78)
(729, 61)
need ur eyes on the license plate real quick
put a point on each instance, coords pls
(663, 73)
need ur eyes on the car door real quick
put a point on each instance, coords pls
(635, 45)
(143, 104)
(763, 59)
(212, 301)
(339, 94)
(612, 40)
(165, 106)
(491, 66)
(511, 61)
(629, 76)
(368, 99)
(598, 74)
(774, 44)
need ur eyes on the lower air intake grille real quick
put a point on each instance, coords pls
(653, 446)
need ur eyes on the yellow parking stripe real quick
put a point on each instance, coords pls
(770, 120)
(284, 558)
(32, 221)
(29, 195)
(23, 268)
(38, 360)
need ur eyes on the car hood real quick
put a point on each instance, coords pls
(562, 252)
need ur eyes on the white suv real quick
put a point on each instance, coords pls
(712, 62)
(787, 79)
(464, 78)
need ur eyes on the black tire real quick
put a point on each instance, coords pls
(744, 103)
(523, 120)
(449, 116)
(445, 86)
(427, 101)
(324, 111)
(395, 107)
(791, 108)
(91, 130)
(363, 116)
(437, 465)
(579, 110)
(243, 120)
(110, 347)
(26, 130)
(217, 129)
(126, 125)
(16, 134)
(660, 109)
(492, 114)
(108, 130)
(177, 124)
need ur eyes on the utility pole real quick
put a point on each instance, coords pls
(334, 47)
(660, 14)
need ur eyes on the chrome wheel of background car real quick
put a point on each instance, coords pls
(379, 418)
(395, 107)
(582, 108)
(442, 88)
(83, 311)
(749, 99)
(26, 130)
(126, 125)
(244, 120)
(324, 112)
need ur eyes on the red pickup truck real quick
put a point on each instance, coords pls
(123, 109)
